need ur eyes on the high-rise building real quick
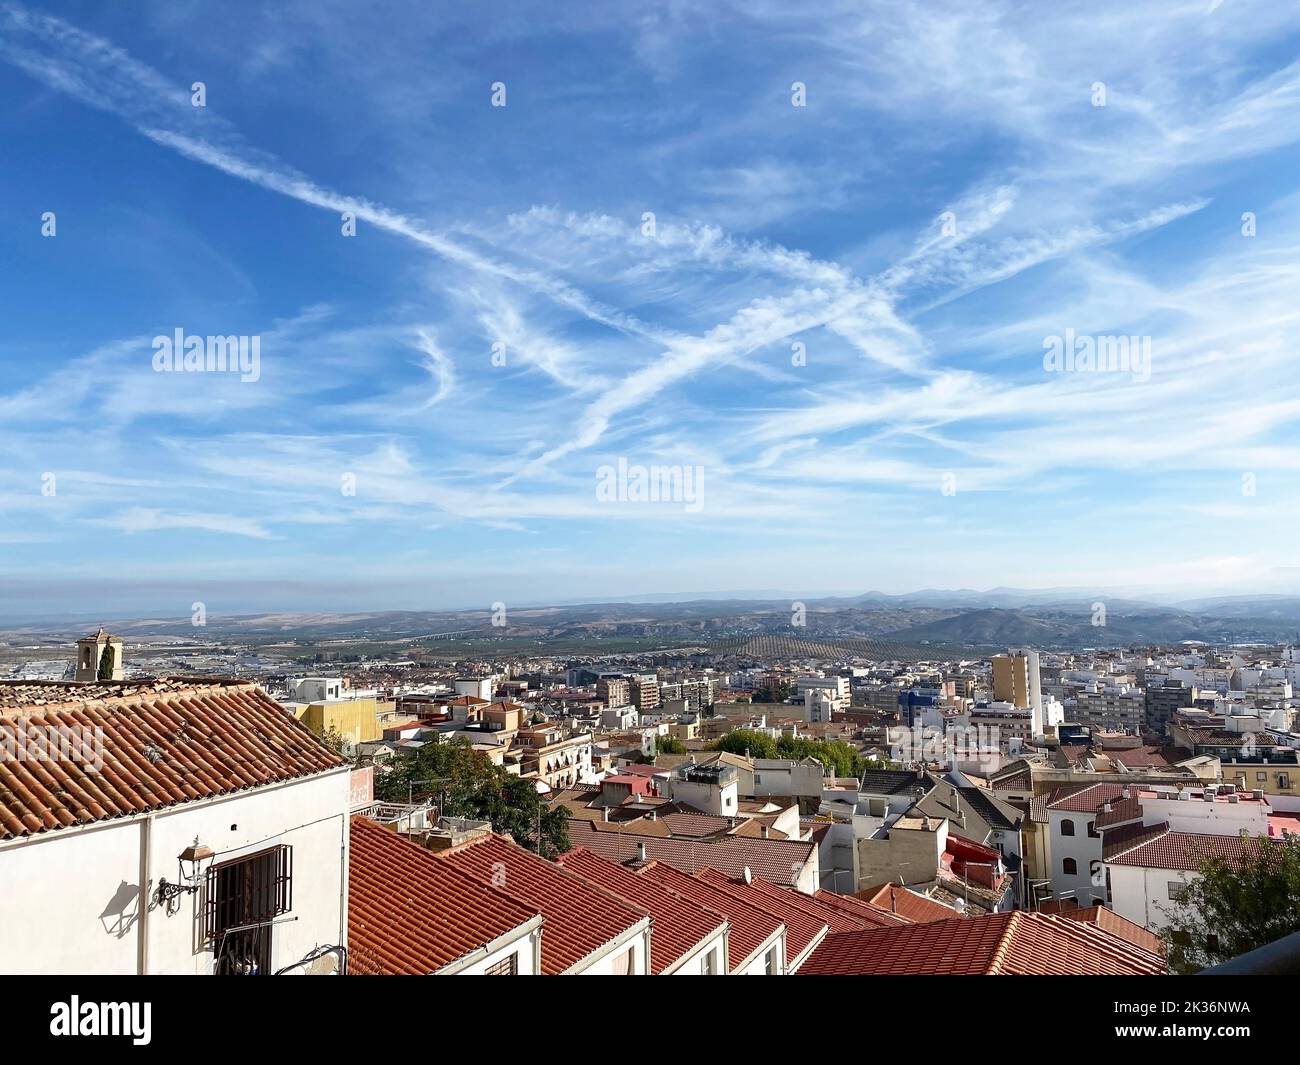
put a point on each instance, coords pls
(1016, 680)
(615, 691)
(645, 692)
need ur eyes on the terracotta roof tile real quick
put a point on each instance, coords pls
(1086, 799)
(410, 914)
(1115, 841)
(776, 860)
(580, 918)
(751, 927)
(839, 919)
(910, 904)
(1109, 921)
(1005, 944)
(866, 911)
(679, 925)
(1183, 851)
(1121, 811)
(156, 747)
(801, 929)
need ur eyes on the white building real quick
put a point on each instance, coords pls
(315, 689)
(1149, 859)
(217, 843)
(478, 687)
(713, 788)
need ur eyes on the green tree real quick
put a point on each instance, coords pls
(467, 784)
(106, 663)
(669, 745)
(837, 756)
(1235, 906)
(746, 741)
(772, 693)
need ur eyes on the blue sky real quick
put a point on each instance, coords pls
(949, 197)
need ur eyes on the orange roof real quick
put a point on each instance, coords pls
(801, 929)
(410, 914)
(1109, 921)
(750, 926)
(679, 925)
(777, 860)
(911, 904)
(580, 918)
(157, 746)
(838, 919)
(874, 915)
(996, 944)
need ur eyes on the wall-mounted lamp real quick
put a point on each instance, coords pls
(193, 861)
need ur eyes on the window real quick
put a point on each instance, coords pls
(623, 963)
(505, 967)
(1069, 867)
(243, 897)
(1173, 888)
(1067, 827)
(1261, 778)
(1283, 780)
(1092, 830)
(710, 963)
(771, 964)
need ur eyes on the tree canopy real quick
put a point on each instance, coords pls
(1235, 906)
(468, 785)
(838, 757)
(107, 662)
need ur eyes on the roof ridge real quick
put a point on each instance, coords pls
(1003, 947)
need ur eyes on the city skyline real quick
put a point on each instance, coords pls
(820, 289)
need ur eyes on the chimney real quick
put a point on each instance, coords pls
(765, 832)
(640, 851)
(604, 814)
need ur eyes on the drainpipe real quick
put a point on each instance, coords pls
(142, 914)
(344, 871)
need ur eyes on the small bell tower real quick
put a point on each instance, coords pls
(91, 652)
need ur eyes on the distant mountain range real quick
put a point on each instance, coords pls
(1000, 617)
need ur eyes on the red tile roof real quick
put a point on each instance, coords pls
(695, 824)
(1121, 811)
(1109, 921)
(161, 745)
(580, 918)
(910, 904)
(679, 925)
(1178, 850)
(801, 929)
(1140, 757)
(872, 915)
(839, 919)
(1002, 944)
(1117, 840)
(410, 914)
(776, 860)
(751, 927)
(1084, 800)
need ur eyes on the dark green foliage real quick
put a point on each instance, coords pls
(1234, 907)
(468, 785)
